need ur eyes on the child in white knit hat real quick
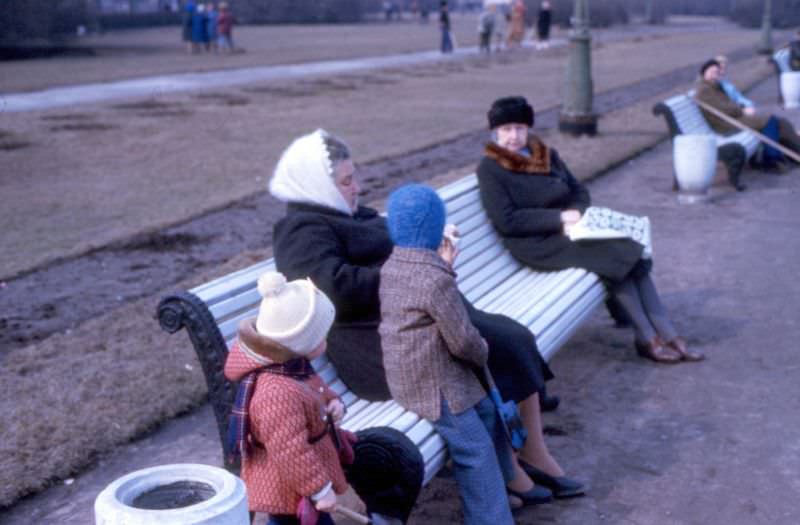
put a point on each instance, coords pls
(283, 423)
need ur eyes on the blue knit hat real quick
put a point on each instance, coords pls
(416, 217)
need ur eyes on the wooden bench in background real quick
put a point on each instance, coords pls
(683, 116)
(552, 305)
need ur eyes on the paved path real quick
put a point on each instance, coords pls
(159, 85)
(714, 442)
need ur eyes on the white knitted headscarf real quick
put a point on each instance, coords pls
(305, 174)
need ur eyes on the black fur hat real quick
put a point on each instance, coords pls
(510, 110)
(707, 64)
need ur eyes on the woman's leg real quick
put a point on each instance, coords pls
(654, 308)
(627, 295)
(535, 450)
(657, 314)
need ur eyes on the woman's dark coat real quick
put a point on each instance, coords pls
(342, 255)
(524, 197)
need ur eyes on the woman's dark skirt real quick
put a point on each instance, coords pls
(514, 360)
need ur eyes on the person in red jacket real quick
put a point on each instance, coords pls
(284, 424)
(225, 28)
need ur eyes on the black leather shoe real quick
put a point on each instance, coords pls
(561, 487)
(535, 496)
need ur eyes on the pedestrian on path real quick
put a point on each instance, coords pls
(501, 24)
(516, 31)
(486, 28)
(186, 24)
(225, 23)
(199, 29)
(444, 26)
(547, 202)
(794, 53)
(284, 425)
(543, 22)
(212, 26)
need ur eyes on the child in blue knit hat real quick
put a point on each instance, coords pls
(431, 352)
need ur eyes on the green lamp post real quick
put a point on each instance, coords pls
(765, 47)
(577, 117)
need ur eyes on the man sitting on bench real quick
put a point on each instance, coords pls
(710, 91)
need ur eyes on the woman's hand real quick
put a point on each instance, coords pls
(569, 218)
(749, 111)
(336, 409)
(448, 252)
(326, 503)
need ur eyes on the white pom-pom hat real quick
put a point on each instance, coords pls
(296, 314)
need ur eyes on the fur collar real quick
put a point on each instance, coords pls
(259, 348)
(538, 162)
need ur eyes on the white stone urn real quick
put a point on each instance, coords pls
(695, 162)
(180, 494)
(790, 89)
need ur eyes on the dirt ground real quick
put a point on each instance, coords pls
(99, 185)
(707, 443)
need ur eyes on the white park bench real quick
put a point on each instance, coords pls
(683, 116)
(553, 305)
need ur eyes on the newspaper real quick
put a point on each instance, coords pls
(604, 223)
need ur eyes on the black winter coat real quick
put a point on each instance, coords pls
(342, 255)
(524, 197)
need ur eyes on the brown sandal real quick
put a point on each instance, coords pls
(654, 349)
(680, 346)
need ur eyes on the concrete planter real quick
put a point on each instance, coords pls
(181, 494)
(695, 161)
(790, 89)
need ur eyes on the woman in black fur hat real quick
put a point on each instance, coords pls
(533, 200)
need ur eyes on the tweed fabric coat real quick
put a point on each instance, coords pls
(524, 197)
(430, 348)
(343, 255)
(713, 95)
(296, 457)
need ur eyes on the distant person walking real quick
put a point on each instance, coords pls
(794, 53)
(486, 28)
(225, 22)
(501, 21)
(543, 22)
(516, 30)
(199, 29)
(212, 25)
(444, 26)
(186, 22)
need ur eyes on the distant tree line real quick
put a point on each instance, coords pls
(31, 20)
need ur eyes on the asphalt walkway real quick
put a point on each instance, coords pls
(159, 85)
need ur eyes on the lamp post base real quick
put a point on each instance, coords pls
(578, 124)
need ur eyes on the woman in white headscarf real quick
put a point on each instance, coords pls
(341, 246)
